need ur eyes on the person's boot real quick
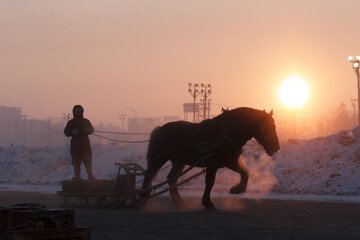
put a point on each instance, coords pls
(76, 172)
(88, 168)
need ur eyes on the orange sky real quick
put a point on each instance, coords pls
(117, 56)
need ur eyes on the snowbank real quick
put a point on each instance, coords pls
(321, 166)
(50, 165)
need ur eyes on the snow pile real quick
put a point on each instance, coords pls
(51, 165)
(322, 166)
(328, 165)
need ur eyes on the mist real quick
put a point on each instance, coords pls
(121, 55)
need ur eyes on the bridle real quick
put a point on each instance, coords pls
(244, 137)
(267, 138)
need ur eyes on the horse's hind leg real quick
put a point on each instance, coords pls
(238, 167)
(174, 193)
(152, 168)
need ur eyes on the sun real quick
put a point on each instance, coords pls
(293, 92)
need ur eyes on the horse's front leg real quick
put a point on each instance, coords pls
(209, 180)
(238, 167)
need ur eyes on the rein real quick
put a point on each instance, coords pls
(243, 138)
(262, 132)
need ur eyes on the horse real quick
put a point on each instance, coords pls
(220, 139)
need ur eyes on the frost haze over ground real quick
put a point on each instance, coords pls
(322, 166)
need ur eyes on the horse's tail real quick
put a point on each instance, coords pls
(150, 172)
(151, 143)
(154, 132)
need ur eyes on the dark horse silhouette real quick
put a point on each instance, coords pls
(220, 139)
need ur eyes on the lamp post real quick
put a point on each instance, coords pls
(66, 116)
(194, 93)
(122, 117)
(24, 117)
(205, 92)
(353, 104)
(294, 123)
(206, 105)
(355, 62)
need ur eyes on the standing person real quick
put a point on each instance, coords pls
(78, 129)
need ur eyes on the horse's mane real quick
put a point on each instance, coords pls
(245, 112)
(245, 117)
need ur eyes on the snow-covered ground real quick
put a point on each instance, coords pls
(321, 168)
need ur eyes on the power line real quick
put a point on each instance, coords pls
(224, 105)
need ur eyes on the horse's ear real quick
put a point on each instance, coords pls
(271, 112)
(224, 110)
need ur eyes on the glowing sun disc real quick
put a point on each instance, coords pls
(293, 92)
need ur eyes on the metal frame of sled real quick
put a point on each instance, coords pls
(102, 192)
(121, 193)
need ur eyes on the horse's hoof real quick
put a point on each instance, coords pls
(144, 196)
(180, 207)
(210, 208)
(237, 189)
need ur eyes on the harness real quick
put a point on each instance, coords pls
(205, 146)
(262, 132)
(243, 138)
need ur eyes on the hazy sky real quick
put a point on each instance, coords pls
(118, 56)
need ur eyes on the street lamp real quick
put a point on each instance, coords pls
(66, 116)
(194, 92)
(353, 104)
(355, 63)
(122, 117)
(24, 117)
(205, 92)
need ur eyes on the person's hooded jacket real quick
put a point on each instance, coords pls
(78, 129)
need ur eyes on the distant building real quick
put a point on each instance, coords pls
(18, 129)
(189, 112)
(112, 133)
(8, 119)
(143, 125)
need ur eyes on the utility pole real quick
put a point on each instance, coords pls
(208, 107)
(355, 61)
(31, 133)
(205, 107)
(49, 131)
(353, 103)
(24, 117)
(205, 92)
(122, 117)
(294, 119)
(66, 117)
(16, 131)
(194, 92)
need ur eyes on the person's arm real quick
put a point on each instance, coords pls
(68, 130)
(89, 129)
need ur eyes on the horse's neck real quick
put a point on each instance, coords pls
(209, 130)
(239, 135)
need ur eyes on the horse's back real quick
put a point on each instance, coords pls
(172, 139)
(172, 130)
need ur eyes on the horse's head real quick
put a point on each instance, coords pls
(265, 134)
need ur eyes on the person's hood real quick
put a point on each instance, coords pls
(78, 107)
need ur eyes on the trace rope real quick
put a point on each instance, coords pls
(121, 141)
(122, 133)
